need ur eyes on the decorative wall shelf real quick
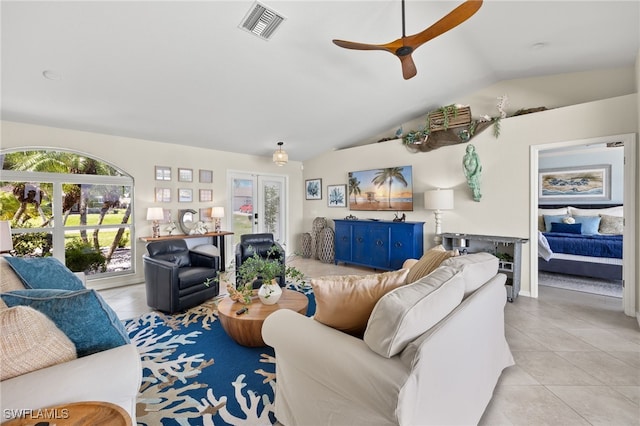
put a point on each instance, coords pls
(451, 136)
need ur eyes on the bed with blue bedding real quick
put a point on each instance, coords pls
(566, 251)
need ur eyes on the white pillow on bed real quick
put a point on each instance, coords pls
(611, 211)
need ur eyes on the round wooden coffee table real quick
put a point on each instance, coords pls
(77, 413)
(246, 329)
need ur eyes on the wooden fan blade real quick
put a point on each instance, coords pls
(408, 67)
(457, 16)
(362, 46)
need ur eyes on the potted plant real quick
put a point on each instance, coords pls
(266, 269)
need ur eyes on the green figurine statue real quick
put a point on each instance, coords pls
(472, 171)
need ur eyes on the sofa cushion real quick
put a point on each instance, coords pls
(429, 261)
(476, 268)
(345, 302)
(407, 312)
(82, 315)
(44, 273)
(30, 341)
(9, 280)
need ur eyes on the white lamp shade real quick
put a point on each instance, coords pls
(217, 212)
(155, 213)
(6, 243)
(438, 199)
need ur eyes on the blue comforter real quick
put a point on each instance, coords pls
(585, 245)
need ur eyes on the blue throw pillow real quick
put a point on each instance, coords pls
(44, 273)
(567, 228)
(82, 315)
(590, 224)
(549, 219)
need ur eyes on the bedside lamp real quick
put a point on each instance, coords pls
(438, 199)
(155, 214)
(217, 213)
(6, 243)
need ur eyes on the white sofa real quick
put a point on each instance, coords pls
(113, 375)
(444, 376)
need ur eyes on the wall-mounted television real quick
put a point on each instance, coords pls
(387, 189)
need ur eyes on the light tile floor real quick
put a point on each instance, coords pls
(577, 355)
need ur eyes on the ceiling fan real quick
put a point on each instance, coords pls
(406, 45)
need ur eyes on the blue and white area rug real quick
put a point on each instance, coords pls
(194, 374)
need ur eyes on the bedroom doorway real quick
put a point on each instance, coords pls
(629, 187)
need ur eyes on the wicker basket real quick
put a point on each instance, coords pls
(460, 118)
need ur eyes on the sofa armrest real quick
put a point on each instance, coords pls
(318, 365)
(113, 376)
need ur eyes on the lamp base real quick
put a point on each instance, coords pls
(438, 238)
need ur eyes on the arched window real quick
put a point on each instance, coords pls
(70, 206)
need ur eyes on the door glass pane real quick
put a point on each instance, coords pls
(243, 202)
(272, 204)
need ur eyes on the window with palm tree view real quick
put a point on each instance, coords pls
(70, 206)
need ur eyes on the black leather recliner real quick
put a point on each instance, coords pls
(261, 244)
(175, 277)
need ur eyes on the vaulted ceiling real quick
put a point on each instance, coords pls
(184, 72)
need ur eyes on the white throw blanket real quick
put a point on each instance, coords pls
(544, 251)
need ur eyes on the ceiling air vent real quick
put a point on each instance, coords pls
(261, 21)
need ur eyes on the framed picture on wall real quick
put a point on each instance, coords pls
(206, 176)
(569, 184)
(163, 195)
(313, 189)
(163, 173)
(206, 195)
(337, 195)
(185, 175)
(185, 195)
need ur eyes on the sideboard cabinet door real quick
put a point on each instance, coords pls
(378, 244)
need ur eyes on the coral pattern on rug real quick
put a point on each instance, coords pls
(194, 374)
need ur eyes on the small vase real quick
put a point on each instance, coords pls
(269, 293)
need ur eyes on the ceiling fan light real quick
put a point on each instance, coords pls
(280, 157)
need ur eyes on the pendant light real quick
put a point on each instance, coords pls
(280, 157)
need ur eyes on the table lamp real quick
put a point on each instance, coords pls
(6, 243)
(155, 214)
(217, 213)
(438, 200)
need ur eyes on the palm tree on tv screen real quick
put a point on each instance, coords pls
(388, 175)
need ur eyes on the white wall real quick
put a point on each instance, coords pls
(139, 157)
(504, 208)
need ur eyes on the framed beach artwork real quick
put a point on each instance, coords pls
(337, 195)
(384, 189)
(570, 184)
(313, 189)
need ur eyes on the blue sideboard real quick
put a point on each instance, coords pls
(377, 244)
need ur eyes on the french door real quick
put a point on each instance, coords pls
(258, 204)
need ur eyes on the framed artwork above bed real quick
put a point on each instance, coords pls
(574, 184)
